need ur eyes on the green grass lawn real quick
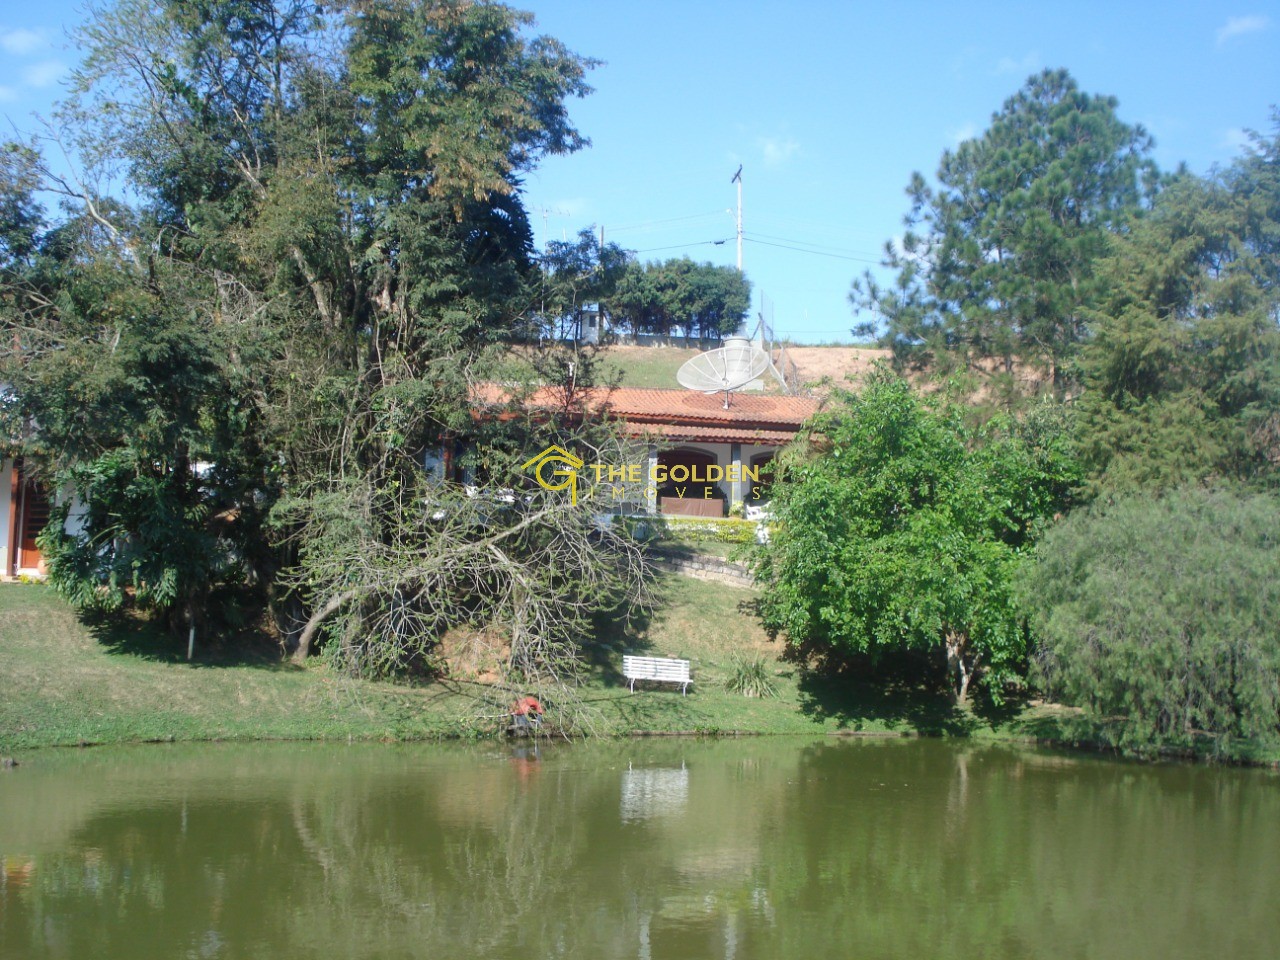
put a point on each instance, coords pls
(713, 625)
(647, 366)
(653, 367)
(66, 682)
(657, 366)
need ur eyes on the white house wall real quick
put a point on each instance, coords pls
(6, 508)
(74, 525)
(738, 455)
(77, 513)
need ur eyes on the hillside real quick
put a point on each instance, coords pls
(657, 366)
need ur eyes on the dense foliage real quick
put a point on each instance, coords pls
(238, 372)
(659, 298)
(699, 299)
(1182, 371)
(1160, 616)
(578, 275)
(903, 529)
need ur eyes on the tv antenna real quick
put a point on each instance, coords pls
(727, 368)
(737, 178)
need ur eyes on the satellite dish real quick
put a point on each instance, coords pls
(728, 367)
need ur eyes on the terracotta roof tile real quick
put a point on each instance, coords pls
(708, 434)
(646, 405)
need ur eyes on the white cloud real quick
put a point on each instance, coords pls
(966, 131)
(22, 42)
(1239, 26)
(1026, 66)
(778, 150)
(44, 73)
(1237, 140)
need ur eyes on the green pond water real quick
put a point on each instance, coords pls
(761, 848)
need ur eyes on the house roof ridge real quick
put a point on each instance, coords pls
(677, 404)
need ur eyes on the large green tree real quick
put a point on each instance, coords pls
(996, 268)
(123, 390)
(701, 299)
(578, 274)
(902, 529)
(324, 232)
(1182, 371)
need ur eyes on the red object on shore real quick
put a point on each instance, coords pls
(526, 705)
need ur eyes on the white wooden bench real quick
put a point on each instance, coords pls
(656, 668)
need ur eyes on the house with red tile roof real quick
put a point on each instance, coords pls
(704, 453)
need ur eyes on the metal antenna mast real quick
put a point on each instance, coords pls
(737, 178)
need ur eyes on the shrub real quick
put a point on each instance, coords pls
(688, 529)
(1161, 615)
(699, 530)
(750, 678)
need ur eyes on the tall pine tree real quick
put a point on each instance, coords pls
(996, 269)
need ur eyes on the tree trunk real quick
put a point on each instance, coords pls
(313, 625)
(958, 665)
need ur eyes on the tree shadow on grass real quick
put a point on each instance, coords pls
(1062, 725)
(1013, 704)
(656, 708)
(136, 635)
(620, 631)
(903, 693)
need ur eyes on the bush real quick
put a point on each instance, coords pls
(700, 530)
(688, 529)
(750, 677)
(1160, 615)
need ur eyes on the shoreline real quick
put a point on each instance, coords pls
(71, 684)
(11, 758)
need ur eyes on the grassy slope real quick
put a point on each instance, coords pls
(712, 625)
(65, 683)
(647, 366)
(657, 366)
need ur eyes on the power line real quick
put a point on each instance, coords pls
(817, 246)
(816, 253)
(807, 225)
(653, 223)
(677, 246)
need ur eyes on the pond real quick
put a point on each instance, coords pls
(760, 848)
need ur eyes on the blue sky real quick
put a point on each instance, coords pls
(827, 106)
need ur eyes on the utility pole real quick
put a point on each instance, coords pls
(737, 178)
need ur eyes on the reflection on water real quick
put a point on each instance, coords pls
(653, 791)
(760, 848)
